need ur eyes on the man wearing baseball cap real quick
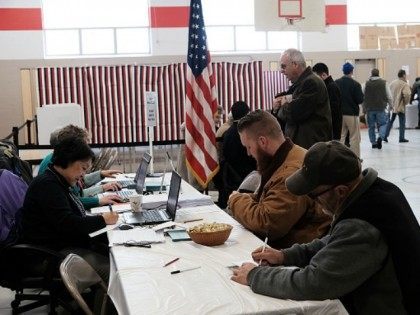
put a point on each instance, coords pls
(369, 260)
(351, 97)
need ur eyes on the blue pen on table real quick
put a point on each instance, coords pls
(263, 249)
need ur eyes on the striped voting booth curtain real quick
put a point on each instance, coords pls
(113, 97)
(274, 82)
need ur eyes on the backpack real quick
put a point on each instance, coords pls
(10, 160)
(12, 195)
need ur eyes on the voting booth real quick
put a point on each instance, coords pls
(53, 117)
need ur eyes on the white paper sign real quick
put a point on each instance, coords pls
(151, 106)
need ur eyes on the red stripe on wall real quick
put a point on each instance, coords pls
(169, 16)
(18, 19)
(336, 14)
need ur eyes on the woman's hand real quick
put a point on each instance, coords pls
(110, 199)
(110, 217)
(111, 186)
(109, 173)
(270, 256)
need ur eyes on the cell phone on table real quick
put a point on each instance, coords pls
(179, 235)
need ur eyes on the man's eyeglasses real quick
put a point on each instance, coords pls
(316, 195)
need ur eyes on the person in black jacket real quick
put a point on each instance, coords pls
(334, 95)
(54, 217)
(351, 96)
(236, 163)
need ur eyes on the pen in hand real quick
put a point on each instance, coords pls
(171, 262)
(263, 249)
(110, 207)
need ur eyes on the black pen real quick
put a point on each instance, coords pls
(134, 244)
(137, 245)
(110, 207)
(188, 269)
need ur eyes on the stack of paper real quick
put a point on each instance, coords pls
(184, 200)
(137, 235)
(121, 207)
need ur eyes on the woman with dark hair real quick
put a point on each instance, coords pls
(54, 217)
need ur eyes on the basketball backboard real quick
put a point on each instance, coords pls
(290, 15)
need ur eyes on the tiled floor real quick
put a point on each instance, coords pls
(398, 163)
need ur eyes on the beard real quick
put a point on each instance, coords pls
(263, 160)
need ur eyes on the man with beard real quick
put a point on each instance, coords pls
(272, 211)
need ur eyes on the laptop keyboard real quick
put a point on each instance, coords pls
(124, 194)
(152, 216)
(128, 182)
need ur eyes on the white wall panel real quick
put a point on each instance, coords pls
(21, 45)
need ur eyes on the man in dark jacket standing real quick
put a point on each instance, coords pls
(351, 97)
(334, 95)
(305, 109)
(371, 256)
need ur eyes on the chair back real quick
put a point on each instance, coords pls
(78, 276)
(13, 190)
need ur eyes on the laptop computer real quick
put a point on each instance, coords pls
(128, 182)
(159, 215)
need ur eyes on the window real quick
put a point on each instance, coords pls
(230, 28)
(96, 27)
(379, 11)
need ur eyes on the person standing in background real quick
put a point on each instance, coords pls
(415, 90)
(401, 93)
(305, 108)
(334, 94)
(351, 97)
(377, 98)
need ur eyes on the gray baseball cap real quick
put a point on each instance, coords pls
(325, 163)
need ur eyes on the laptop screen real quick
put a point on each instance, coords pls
(142, 176)
(145, 158)
(173, 195)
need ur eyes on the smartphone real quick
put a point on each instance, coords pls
(179, 235)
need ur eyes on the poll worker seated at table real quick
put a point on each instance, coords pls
(273, 211)
(87, 195)
(53, 215)
(369, 260)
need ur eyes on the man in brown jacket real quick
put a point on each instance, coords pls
(274, 212)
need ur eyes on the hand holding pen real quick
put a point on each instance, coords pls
(263, 249)
(110, 217)
(268, 256)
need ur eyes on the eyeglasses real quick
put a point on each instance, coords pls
(316, 195)
(284, 65)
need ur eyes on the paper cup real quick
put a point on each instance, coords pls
(135, 202)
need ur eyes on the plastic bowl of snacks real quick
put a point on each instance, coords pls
(210, 234)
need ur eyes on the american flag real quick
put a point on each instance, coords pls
(201, 102)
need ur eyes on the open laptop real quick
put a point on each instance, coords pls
(159, 215)
(138, 183)
(128, 183)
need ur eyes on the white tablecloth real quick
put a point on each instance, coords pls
(139, 284)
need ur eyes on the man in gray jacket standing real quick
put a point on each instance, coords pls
(377, 98)
(371, 256)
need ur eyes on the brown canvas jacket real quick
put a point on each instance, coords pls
(287, 219)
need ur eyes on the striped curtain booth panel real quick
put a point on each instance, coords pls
(274, 82)
(113, 97)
